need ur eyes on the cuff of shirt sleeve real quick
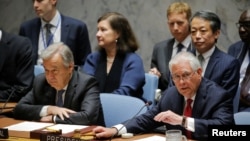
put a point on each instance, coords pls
(121, 129)
(54, 118)
(43, 112)
(190, 124)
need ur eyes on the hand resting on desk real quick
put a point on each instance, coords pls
(102, 132)
(58, 111)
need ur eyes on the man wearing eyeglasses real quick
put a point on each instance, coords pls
(241, 51)
(217, 65)
(210, 104)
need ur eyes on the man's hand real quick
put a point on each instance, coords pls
(59, 111)
(102, 132)
(155, 72)
(46, 119)
(169, 117)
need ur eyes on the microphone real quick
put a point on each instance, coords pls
(7, 100)
(148, 103)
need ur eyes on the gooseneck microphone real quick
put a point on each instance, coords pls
(148, 103)
(7, 100)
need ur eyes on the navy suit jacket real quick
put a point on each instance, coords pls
(212, 106)
(238, 50)
(132, 77)
(224, 70)
(16, 66)
(162, 54)
(74, 33)
(82, 96)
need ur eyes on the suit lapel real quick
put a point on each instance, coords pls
(242, 52)
(70, 92)
(35, 36)
(200, 99)
(64, 30)
(169, 51)
(4, 48)
(214, 58)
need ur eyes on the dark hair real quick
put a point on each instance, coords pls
(127, 40)
(214, 20)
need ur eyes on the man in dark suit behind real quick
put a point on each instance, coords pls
(212, 105)
(79, 103)
(16, 66)
(72, 32)
(241, 51)
(178, 15)
(217, 65)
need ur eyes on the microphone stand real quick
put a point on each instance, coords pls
(8, 99)
(146, 105)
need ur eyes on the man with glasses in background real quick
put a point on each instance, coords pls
(241, 51)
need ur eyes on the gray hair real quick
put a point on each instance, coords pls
(61, 49)
(185, 56)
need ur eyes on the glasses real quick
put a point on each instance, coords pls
(186, 76)
(243, 24)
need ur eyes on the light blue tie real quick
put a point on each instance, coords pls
(49, 38)
(201, 59)
(59, 102)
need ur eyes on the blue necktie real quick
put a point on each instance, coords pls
(59, 102)
(179, 47)
(49, 38)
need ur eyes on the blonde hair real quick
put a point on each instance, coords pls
(179, 7)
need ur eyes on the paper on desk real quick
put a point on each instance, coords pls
(66, 128)
(28, 126)
(153, 138)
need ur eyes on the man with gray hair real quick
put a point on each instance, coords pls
(191, 105)
(63, 94)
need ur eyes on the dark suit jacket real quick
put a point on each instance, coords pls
(132, 76)
(16, 66)
(74, 33)
(212, 106)
(224, 70)
(82, 96)
(238, 50)
(162, 54)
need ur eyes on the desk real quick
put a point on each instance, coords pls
(114, 139)
(10, 120)
(7, 107)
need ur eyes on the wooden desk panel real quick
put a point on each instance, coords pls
(7, 107)
(7, 121)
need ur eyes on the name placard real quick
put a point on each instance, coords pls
(4, 134)
(50, 137)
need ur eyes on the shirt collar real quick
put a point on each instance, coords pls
(54, 21)
(1, 35)
(207, 54)
(186, 42)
